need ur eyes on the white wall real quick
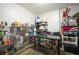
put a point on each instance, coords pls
(74, 10)
(12, 12)
(52, 19)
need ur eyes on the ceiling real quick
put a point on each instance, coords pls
(39, 8)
